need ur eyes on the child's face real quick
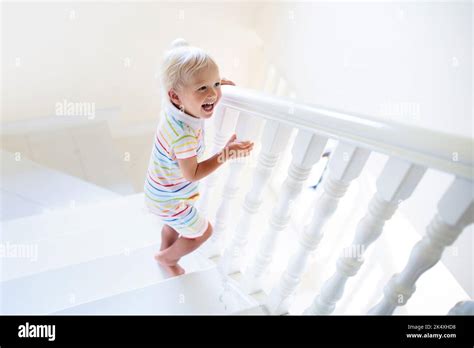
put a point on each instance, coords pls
(201, 94)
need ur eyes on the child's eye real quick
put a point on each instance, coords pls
(218, 84)
(202, 88)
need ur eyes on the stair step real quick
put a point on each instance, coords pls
(257, 310)
(195, 293)
(122, 231)
(68, 220)
(82, 149)
(59, 289)
(36, 188)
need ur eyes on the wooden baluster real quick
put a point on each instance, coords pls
(345, 164)
(306, 151)
(248, 127)
(274, 141)
(396, 183)
(225, 120)
(455, 212)
(462, 308)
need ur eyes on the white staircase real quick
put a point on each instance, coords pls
(28, 188)
(201, 292)
(98, 258)
(277, 244)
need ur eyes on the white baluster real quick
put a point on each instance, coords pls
(247, 128)
(274, 140)
(225, 120)
(455, 212)
(306, 152)
(345, 164)
(462, 308)
(396, 183)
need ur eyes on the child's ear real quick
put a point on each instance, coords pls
(173, 96)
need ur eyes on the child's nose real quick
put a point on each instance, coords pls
(213, 92)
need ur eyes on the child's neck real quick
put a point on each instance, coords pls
(177, 107)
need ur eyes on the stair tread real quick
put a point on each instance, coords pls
(61, 288)
(257, 310)
(46, 188)
(123, 228)
(68, 249)
(55, 222)
(195, 293)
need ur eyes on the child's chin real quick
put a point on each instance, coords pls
(205, 114)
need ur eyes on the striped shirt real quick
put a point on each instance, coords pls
(178, 136)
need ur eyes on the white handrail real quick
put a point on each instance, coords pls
(432, 149)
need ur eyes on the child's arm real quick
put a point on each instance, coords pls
(194, 171)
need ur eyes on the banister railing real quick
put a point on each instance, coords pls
(411, 151)
(432, 149)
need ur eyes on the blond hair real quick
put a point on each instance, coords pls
(180, 63)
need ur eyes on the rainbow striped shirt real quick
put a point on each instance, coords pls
(178, 136)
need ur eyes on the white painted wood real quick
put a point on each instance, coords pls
(455, 212)
(225, 120)
(274, 141)
(247, 128)
(61, 288)
(396, 183)
(462, 308)
(306, 151)
(13, 206)
(76, 235)
(70, 219)
(345, 165)
(195, 293)
(258, 310)
(29, 188)
(443, 151)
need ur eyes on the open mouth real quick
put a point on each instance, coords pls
(208, 107)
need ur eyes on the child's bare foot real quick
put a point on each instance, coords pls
(170, 266)
(173, 271)
(163, 260)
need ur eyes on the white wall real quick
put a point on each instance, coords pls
(107, 53)
(377, 58)
(408, 62)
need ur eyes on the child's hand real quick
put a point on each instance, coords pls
(224, 81)
(235, 149)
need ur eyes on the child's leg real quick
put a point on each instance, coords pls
(168, 236)
(181, 247)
